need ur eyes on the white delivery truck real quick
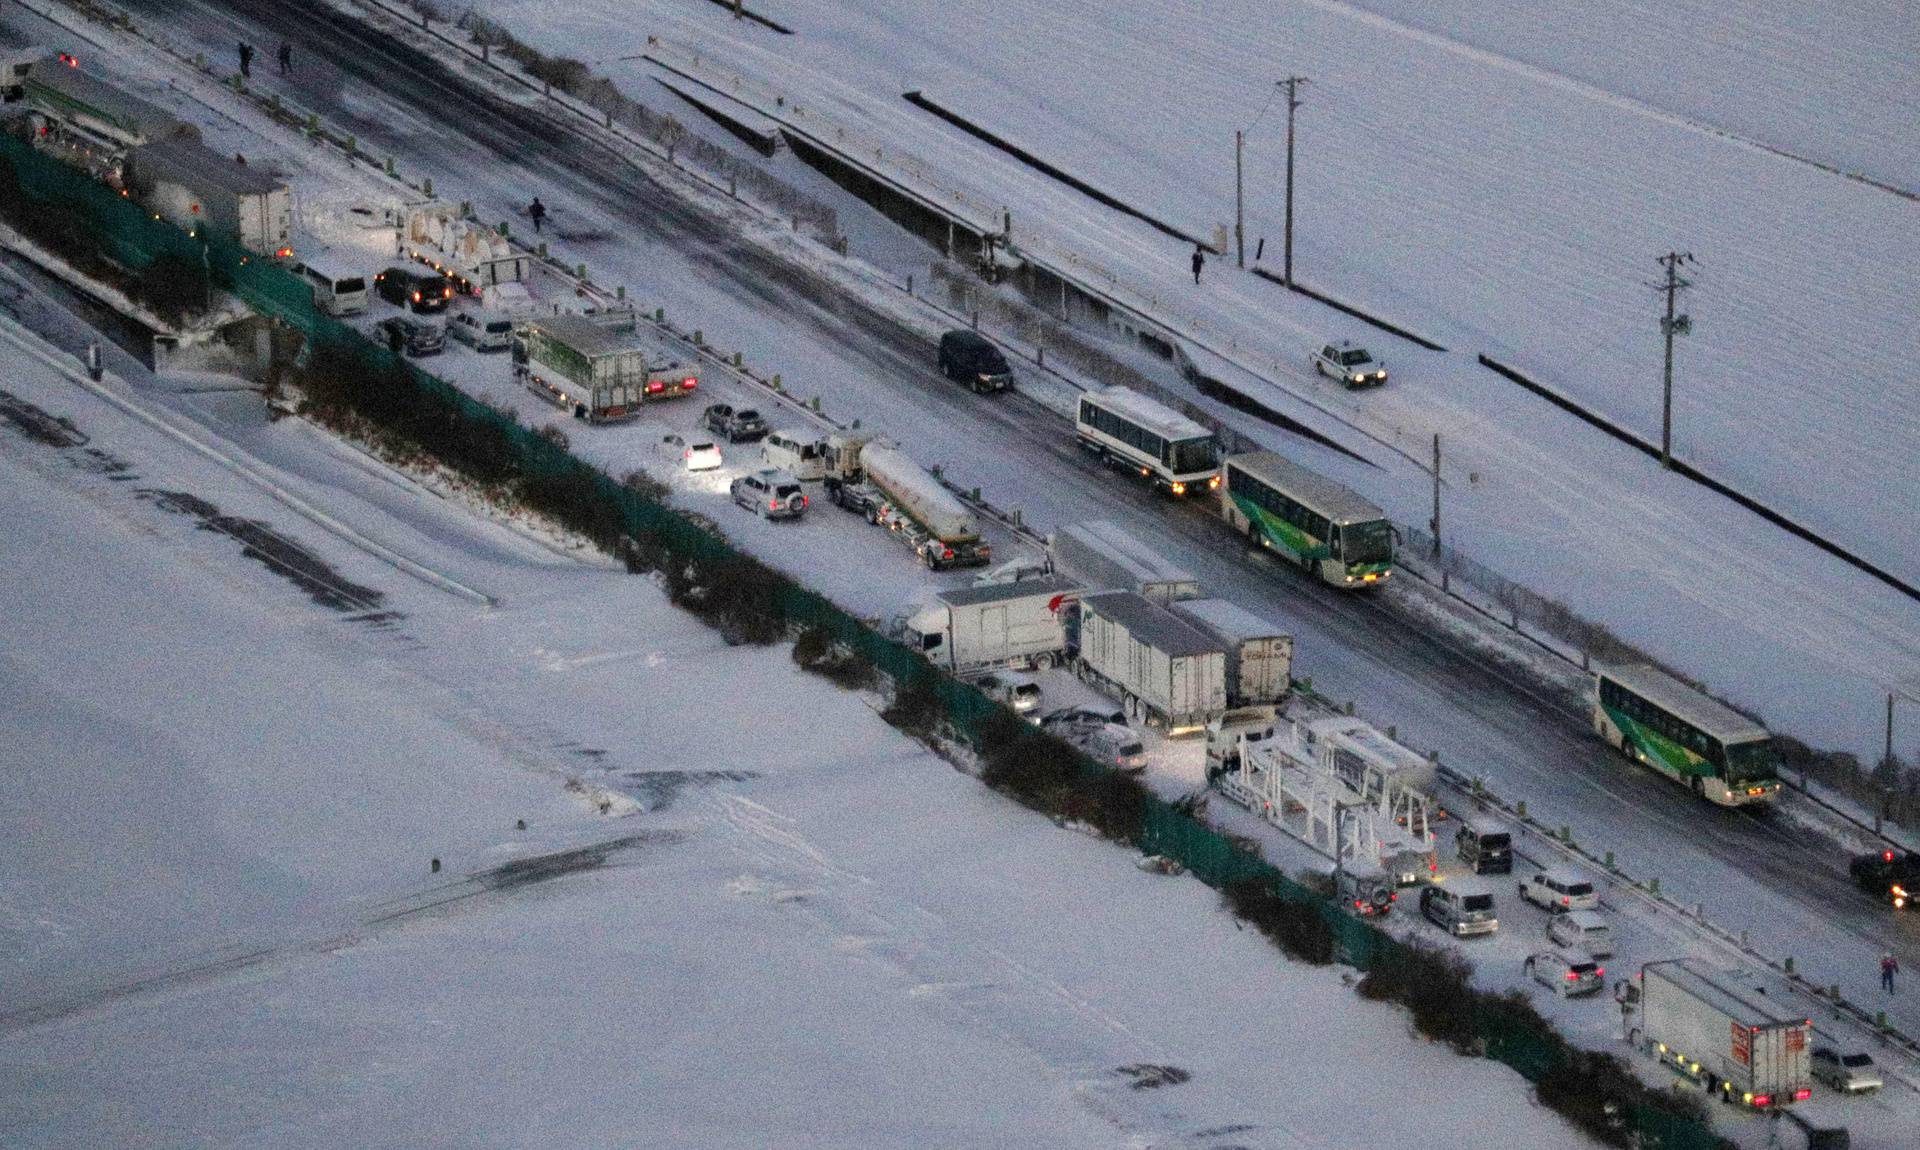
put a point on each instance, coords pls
(1259, 653)
(1106, 558)
(1162, 669)
(1722, 1029)
(598, 367)
(973, 629)
(878, 481)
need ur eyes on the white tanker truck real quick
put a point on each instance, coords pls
(878, 481)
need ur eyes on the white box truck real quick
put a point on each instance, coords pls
(1106, 558)
(1722, 1029)
(971, 629)
(1162, 669)
(1259, 653)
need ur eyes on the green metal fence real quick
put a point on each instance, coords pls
(134, 238)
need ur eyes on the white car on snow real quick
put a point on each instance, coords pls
(1350, 364)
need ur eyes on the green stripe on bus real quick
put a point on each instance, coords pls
(1653, 745)
(1281, 533)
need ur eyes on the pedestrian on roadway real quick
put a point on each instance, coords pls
(286, 58)
(1889, 966)
(537, 211)
(1199, 261)
(246, 59)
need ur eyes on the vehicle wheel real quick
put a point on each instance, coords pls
(1699, 788)
(1043, 661)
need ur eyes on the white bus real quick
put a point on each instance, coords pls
(337, 289)
(1654, 718)
(1328, 530)
(1165, 448)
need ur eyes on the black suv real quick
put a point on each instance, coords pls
(421, 289)
(738, 424)
(970, 358)
(1888, 875)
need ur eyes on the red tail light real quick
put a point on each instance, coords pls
(1763, 1100)
(416, 297)
(803, 501)
(1886, 856)
(689, 383)
(447, 292)
(1802, 1094)
(1571, 976)
(1599, 972)
(773, 505)
(656, 387)
(69, 60)
(947, 554)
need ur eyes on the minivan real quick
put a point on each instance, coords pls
(1461, 909)
(1559, 890)
(972, 359)
(801, 454)
(1582, 930)
(1486, 847)
(481, 330)
(1111, 744)
(422, 289)
(336, 291)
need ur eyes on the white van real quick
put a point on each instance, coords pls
(337, 289)
(801, 454)
(481, 329)
(1582, 930)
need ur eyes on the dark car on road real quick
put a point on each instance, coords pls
(972, 359)
(738, 424)
(416, 337)
(418, 289)
(1888, 874)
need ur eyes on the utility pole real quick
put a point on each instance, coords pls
(1239, 201)
(1670, 326)
(1435, 524)
(1293, 87)
(1889, 755)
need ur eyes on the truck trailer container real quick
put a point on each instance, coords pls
(1720, 1028)
(1106, 558)
(1162, 668)
(192, 186)
(973, 629)
(599, 367)
(1259, 653)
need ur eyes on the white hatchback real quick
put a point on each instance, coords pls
(699, 455)
(1567, 976)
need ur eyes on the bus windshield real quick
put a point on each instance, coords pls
(1187, 456)
(1753, 762)
(1367, 542)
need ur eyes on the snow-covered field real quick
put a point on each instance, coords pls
(222, 927)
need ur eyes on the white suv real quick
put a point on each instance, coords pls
(774, 494)
(1560, 890)
(1350, 364)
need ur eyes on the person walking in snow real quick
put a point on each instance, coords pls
(286, 58)
(1889, 966)
(246, 60)
(537, 211)
(1199, 261)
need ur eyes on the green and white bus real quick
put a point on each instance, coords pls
(1325, 528)
(1656, 719)
(1155, 442)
